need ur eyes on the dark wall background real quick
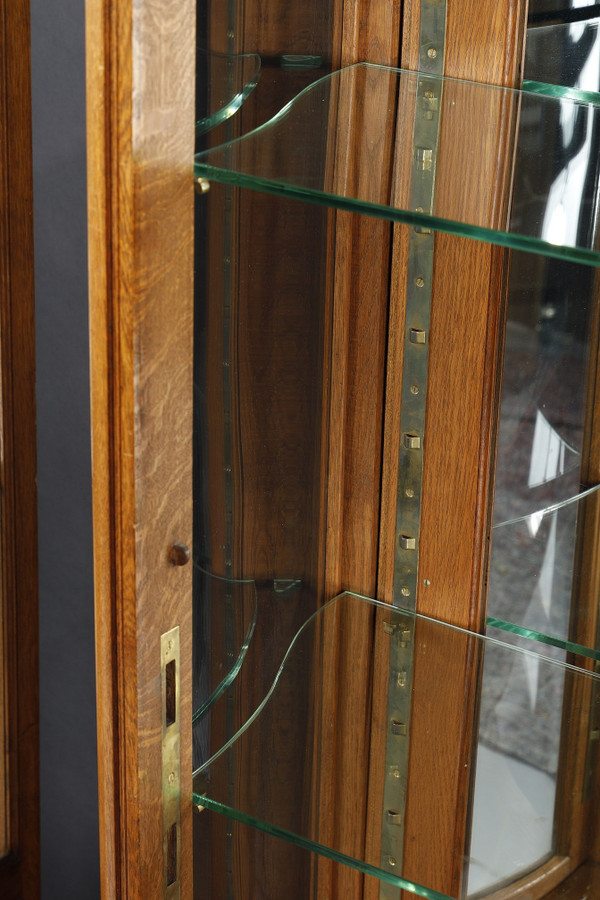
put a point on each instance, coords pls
(69, 805)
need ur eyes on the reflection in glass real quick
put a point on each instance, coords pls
(260, 316)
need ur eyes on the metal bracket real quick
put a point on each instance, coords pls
(412, 428)
(171, 762)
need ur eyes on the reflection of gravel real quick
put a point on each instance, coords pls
(521, 707)
(531, 566)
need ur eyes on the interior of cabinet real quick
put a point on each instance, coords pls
(292, 726)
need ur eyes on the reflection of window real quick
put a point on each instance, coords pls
(567, 194)
(549, 453)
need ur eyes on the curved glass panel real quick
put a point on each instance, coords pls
(472, 175)
(229, 81)
(564, 55)
(520, 706)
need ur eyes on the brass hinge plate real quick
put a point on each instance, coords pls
(171, 763)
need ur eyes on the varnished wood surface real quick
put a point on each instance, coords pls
(140, 213)
(484, 43)
(19, 869)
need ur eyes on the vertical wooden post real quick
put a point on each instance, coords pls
(140, 93)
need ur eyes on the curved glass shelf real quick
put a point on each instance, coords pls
(248, 654)
(347, 141)
(230, 81)
(529, 706)
(244, 630)
(231, 605)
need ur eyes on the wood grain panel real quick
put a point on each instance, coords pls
(484, 42)
(281, 310)
(19, 754)
(140, 80)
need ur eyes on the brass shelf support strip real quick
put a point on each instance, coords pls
(413, 438)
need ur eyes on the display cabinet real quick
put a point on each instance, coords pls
(345, 375)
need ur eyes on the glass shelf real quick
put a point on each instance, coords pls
(230, 81)
(524, 709)
(304, 152)
(251, 637)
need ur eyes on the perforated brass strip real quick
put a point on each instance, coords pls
(413, 438)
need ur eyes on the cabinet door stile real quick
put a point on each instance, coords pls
(140, 80)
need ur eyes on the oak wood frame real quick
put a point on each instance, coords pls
(140, 98)
(19, 869)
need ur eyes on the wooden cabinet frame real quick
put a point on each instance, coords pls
(141, 117)
(140, 77)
